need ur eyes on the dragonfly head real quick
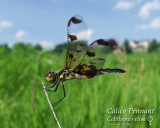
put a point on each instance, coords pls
(51, 77)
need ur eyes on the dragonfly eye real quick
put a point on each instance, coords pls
(51, 77)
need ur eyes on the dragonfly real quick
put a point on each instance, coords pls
(82, 61)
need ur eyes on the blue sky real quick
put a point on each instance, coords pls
(45, 21)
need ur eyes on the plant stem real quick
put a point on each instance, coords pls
(44, 88)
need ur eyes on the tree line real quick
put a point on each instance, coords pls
(154, 46)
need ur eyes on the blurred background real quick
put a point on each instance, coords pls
(33, 38)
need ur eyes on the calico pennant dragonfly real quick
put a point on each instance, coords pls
(82, 61)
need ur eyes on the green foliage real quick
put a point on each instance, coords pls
(19, 45)
(23, 103)
(38, 47)
(153, 46)
(60, 48)
(127, 47)
(4, 48)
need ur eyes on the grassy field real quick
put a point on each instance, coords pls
(23, 103)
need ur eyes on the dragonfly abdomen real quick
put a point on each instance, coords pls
(108, 70)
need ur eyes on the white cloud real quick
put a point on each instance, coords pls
(147, 7)
(90, 34)
(154, 24)
(47, 44)
(82, 34)
(20, 34)
(5, 24)
(124, 5)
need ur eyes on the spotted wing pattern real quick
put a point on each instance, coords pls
(76, 41)
(83, 59)
(94, 58)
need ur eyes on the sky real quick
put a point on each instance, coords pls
(45, 21)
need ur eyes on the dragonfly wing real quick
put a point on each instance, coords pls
(94, 58)
(76, 41)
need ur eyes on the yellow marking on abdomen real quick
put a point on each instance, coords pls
(61, 76)
(84, 76)
(86, 68)
(69, 77)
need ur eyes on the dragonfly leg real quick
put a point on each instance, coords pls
(52, 85)
(54, 89)
(62, 98)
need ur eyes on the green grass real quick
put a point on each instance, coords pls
(23, 103)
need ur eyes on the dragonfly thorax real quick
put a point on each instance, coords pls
(67, 74)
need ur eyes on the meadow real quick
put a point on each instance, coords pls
(23, 103)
